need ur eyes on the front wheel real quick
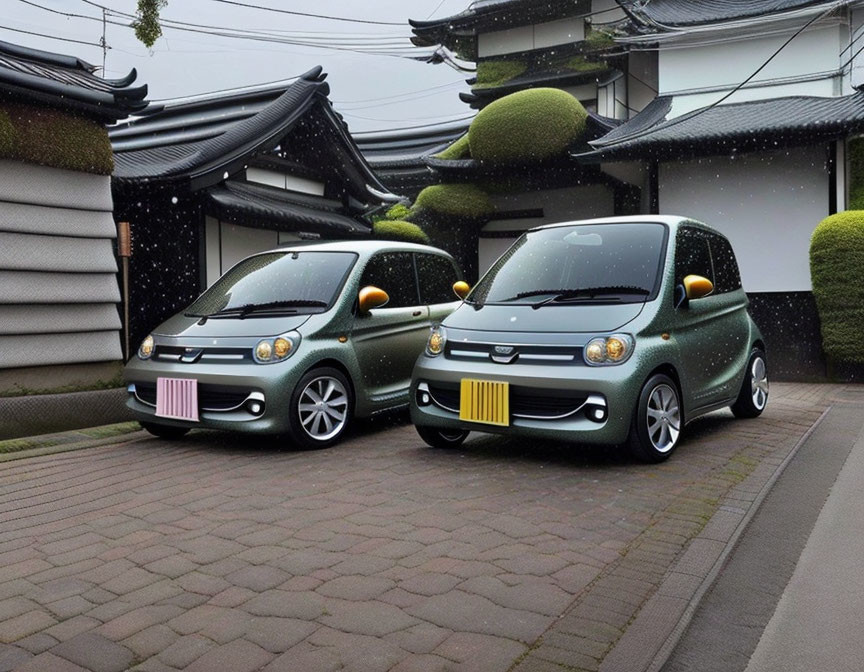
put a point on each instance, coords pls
(657, 425)
(164, 431)
(442, 438)
(321, 408)
(753, 396)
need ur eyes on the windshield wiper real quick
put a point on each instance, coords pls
(270, 306)
(584, 294)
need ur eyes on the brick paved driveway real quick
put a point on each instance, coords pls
(215, 553)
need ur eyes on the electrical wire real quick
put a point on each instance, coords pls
(52, 37)
(315, 16)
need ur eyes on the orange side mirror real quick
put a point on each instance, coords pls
(697, 286)
(372, 297)
(461, 288)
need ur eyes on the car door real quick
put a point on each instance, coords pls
(387, 340)
(731, 330)
(696, 323)
(436, 275)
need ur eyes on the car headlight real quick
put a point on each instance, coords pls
(278, 349)
(145, 350)
(437, 341)
(607, 350)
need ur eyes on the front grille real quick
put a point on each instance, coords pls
(524, 401)
(516, 354)
(210, 397)
(190, 355)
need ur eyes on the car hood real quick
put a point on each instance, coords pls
(557, 318)
(190, 327)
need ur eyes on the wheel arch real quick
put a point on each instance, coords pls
(339, 366)
(670, 370)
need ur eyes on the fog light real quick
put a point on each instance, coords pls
(255, 407)
(424, 399)
(599, 414)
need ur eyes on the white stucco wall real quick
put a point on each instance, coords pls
(767, 204)
(526, 38)
(227, 243)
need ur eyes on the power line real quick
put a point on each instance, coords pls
(315, 16)
(450, 121)
(411, 128)
(53, 37)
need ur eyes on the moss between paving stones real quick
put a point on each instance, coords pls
(399, 230)
(455, 200)
(527, 126)
(837, 271)
(55, 139)
(73, 437)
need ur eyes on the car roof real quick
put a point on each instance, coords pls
(672, 221)
(363, 247)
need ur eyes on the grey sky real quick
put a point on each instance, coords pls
(185, 63)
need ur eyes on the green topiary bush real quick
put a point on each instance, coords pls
(458, 150)
(402, 231)
(398, 212)
(837, 272)
(455, 200)
(527, 126)
(496, 73)
(856, 174)
(56, 139)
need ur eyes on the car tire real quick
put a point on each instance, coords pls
(164, 431)
(657, 421)
(753, 396)
(439, 438)
(322, 406)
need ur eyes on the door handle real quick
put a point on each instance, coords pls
(417, 313)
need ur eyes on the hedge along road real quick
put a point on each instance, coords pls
(221, 552)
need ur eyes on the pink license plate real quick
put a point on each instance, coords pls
(177, 398)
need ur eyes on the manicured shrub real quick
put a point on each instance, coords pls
(856, 174)
(460, 149)
(455, 200)
(837, 272)
(496, 73)
(402, 231)
(56, 139)
(398, 212)
(527, 126)
(599, 39)
(581, 64)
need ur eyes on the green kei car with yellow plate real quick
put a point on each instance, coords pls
(609, 331)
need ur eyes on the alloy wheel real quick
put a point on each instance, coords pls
(664, 418)
(759, 383)
(323, 408)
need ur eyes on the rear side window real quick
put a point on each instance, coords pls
(692, 255)
(394, 273)
(726, 275)
(437, 275)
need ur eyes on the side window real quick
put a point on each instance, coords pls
(394, 273)
(437, 275)
(692, 256)
(726, 275)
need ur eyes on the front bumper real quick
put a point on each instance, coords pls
(610, 391)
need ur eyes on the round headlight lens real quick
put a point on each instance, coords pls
(615, 349)
(437, 340)
(264, 351)
(282, 347)
(146, 348)
(595, 351)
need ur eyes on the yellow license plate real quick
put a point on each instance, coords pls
(485, 401)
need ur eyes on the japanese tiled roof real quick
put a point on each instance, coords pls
(681, 13)
(408, 147)
(67, 83)
(200, 139)
(730, 128)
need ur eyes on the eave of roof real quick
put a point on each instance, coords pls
(664, 14)
(67, 83)
(253, 204)
(758, 125)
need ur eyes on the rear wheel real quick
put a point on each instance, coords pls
(753, 396)
(321, 408)
(656, 427)
(164, 431)
(442, 438)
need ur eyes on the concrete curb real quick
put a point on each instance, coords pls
(51, 413)
(119, 439)
(652, 636)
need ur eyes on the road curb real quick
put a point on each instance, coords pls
(120, 439)
(652, 636)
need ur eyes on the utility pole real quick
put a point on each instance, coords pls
(104, 42)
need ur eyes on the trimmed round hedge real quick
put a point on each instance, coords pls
(527, 126)
(399, 212)
(837, 272)
(401, 231)
(458, 150)
(455, 200)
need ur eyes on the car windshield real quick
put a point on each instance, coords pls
(598, 263)
(284, 282)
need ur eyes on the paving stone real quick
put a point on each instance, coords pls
(355, 587)
(306, 660)
(286, 604)
(134, 621)
(237, 656)
(420, 638)
(150, 641)
(37, 643)
(12, 657)
(279, 634)
(69, 607)
(95, 652)
(257, 577)
(48, 661)
(540, 597)
(72, 627)
(26, 624)
(186, 650)
(483, 653)
(430, 583)
(232, 597)
(367, 618)
(171, 566)
(196, 619)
